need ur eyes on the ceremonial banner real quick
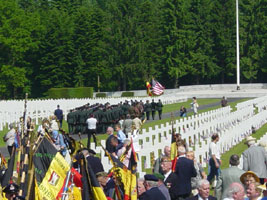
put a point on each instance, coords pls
(54, 178)
(98, 193)
(127, 176)
(9, 172)
(174, 152)
(42, 158)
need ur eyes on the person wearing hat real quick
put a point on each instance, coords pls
(152, 190)
(9, 138)
(161, 186)
(249, 177)
(11, 191)
(255, 159)
(228, 176)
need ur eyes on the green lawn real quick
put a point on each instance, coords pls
(241, 147)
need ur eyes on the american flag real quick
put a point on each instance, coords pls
(157, 88)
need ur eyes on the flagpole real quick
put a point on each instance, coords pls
(237, 49)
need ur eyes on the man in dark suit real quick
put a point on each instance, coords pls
(152, 190)
(203, 187)
(94, 162)
(184, 171)
(166, 166)
(109, 147)
(59, 114)
(153, 108)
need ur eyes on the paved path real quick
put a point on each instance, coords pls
(4, 151)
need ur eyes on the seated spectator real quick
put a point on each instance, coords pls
(183, 111)
(120, 135)
(203, 187)
(235, 192)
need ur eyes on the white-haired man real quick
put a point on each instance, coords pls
(255, 159)
(157, 165)
(203, 187)
(235, 192)
(184, 171)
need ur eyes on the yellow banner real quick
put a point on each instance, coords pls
(54, 178)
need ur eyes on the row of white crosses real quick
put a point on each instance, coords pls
(197, 130)
(11, 111)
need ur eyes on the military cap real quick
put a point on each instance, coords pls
(151, 177)
(159, 176)
(11, 188)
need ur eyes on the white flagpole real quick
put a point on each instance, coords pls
(237, 49)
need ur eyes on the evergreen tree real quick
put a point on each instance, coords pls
(252, 37)
(175, 40)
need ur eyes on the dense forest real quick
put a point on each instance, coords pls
(70, 43)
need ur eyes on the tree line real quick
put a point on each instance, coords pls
(123, 43)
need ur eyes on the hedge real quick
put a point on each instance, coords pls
(101, 95)
(127, 94)
(80, 92)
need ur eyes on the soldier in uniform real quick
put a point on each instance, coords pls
(147, 109)
(153, 108)
(159, 108)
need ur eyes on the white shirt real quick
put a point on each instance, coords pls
(200, 198)
(54, 125)
(166, 175)
(91, 123)
(214, 150)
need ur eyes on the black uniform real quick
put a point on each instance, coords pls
(159, 108)
(153, 108)
(147, 109)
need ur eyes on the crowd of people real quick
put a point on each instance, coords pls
(109, 115)
(178, 179)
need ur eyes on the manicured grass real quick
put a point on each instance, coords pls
(176, 106)
(241, 147)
